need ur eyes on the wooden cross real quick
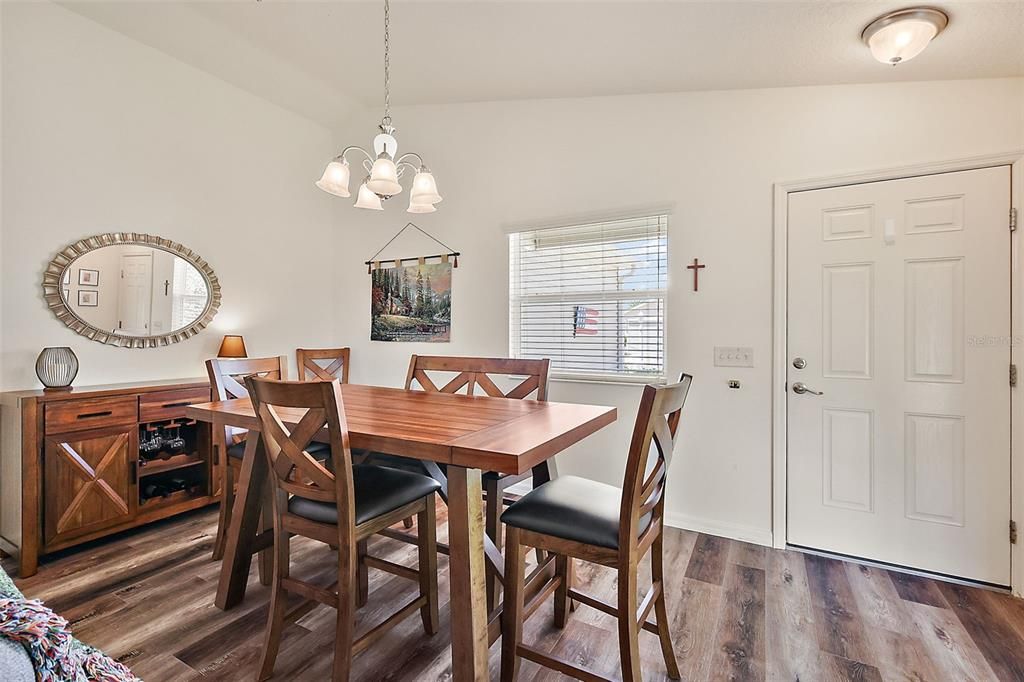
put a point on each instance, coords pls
(696, 267)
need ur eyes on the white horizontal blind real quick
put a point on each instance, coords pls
(592, 298)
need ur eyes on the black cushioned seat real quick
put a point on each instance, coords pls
(378, 490)
(316, 450)
(572, 508)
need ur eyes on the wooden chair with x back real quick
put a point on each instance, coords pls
(339, 505)
(322, 364)
(575, 518)
(227, 377)
(474, 376)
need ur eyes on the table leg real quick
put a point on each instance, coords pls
(245, 525)
(468, 603)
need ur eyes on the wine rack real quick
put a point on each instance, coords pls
(170, 466)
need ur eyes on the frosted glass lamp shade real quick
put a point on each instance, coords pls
(368, 199)
(57, 368)
(420, 207)
(384, 177)
(899, 37)
(335, 179)
(424, 189)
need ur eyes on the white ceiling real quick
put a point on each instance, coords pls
(321, 59)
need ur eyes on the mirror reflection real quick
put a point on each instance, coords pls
(133, 290)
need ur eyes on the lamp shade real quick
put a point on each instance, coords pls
(57, 368)
(233, 346)
(368, 199)
(424, 188)
(384, 177)
(417, 207)
(335, 179)
(899, 37)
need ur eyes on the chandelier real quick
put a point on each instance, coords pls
(384, 169)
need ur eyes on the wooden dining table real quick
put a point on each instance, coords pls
(469, 434)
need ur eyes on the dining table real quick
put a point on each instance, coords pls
(468, 434)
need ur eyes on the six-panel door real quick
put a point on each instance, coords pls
(89, 481)
(899, 313)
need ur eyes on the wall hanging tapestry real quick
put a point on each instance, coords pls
(412, 302)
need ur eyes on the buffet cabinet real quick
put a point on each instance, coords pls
(78, 465)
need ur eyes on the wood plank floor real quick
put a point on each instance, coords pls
(739, 612)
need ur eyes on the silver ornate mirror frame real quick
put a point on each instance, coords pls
(56, 303)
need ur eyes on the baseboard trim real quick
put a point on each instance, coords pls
(733, 531)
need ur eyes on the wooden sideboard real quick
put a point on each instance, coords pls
(78, 465)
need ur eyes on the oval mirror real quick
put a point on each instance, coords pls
(132, 290)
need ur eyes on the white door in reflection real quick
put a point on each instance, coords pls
(135, 294)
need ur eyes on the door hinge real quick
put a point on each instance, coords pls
(1013, 532)
(1013, 220)
(1013, 375)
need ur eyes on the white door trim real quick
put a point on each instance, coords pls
(780, 275)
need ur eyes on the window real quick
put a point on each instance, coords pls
(592, 298)
(188, 295)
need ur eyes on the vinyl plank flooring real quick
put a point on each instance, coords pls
(708, 559)
(736, 611)
(998, 641)
(839, 627)
(739, 647)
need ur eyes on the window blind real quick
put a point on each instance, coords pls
(591, 297)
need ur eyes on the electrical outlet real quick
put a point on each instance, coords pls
(734, 356)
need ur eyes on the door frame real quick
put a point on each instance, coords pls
(780, 352)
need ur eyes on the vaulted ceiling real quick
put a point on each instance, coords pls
(322, 59)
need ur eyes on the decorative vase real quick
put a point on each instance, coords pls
(57, 368)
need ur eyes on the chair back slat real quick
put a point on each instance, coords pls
(472, 373)
(295, 471)
(322, 364)
(227, 376)
(654, 435)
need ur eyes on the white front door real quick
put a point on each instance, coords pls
(134, 294)
(899, 314)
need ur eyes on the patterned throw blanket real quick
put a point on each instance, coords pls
(55, 653)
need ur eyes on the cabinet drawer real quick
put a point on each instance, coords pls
(154, 407)
(76, 415)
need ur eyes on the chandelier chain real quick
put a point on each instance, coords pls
(387, 63)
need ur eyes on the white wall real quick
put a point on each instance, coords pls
(713, 157)
(104, 134)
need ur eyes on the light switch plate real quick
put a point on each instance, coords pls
(734, 356)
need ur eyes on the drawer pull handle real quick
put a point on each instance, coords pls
(91, 415)
(184, 403)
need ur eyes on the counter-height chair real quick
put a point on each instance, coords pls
(575, 518)
(227, 377)
(322, 364)
(473, 376)
(340, 505)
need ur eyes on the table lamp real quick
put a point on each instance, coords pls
(233, 346)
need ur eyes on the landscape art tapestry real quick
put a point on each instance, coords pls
(412, 303)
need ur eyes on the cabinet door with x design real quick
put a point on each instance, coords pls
(89, 481)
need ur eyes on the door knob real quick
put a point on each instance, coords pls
(801, 388)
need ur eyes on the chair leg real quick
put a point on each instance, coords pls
(407, 523)
(564, 573)
(346, 622)
(492, 525)
(629, 632)
(362, 573)
(426, 533)
(512, 615)
(227, 501)
(278, 601)
(661, 609)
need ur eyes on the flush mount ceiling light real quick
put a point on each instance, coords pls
(902, 35)
(384, 169)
